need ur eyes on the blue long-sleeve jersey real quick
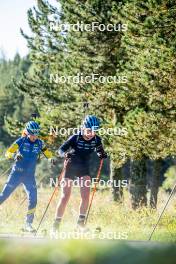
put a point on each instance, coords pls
(30, 152)
(81, 147)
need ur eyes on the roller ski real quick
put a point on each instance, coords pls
(81, 229)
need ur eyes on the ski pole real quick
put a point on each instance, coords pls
(5, 172)
(94, 190)
(160, 216)
(52, 195)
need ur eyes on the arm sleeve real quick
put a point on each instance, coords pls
(13, 149)
(48, 154)
(99, 146)
(69, 143)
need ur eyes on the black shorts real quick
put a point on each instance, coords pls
(77, 168)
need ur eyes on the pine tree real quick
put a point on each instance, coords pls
(144, 54)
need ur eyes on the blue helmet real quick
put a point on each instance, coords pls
(91, 122)
(32, 128)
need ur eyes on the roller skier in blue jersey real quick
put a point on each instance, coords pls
(78, 149)
(25, 152)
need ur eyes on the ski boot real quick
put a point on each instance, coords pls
(28, 228)
(55, 229)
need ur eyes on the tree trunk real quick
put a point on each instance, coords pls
(138, 182)
(116, 178)
(154, 182)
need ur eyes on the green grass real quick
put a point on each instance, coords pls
(117, 221)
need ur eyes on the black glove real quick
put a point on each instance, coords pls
(102, 155)
(18, 157)
(53, 161)
(69, 155)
